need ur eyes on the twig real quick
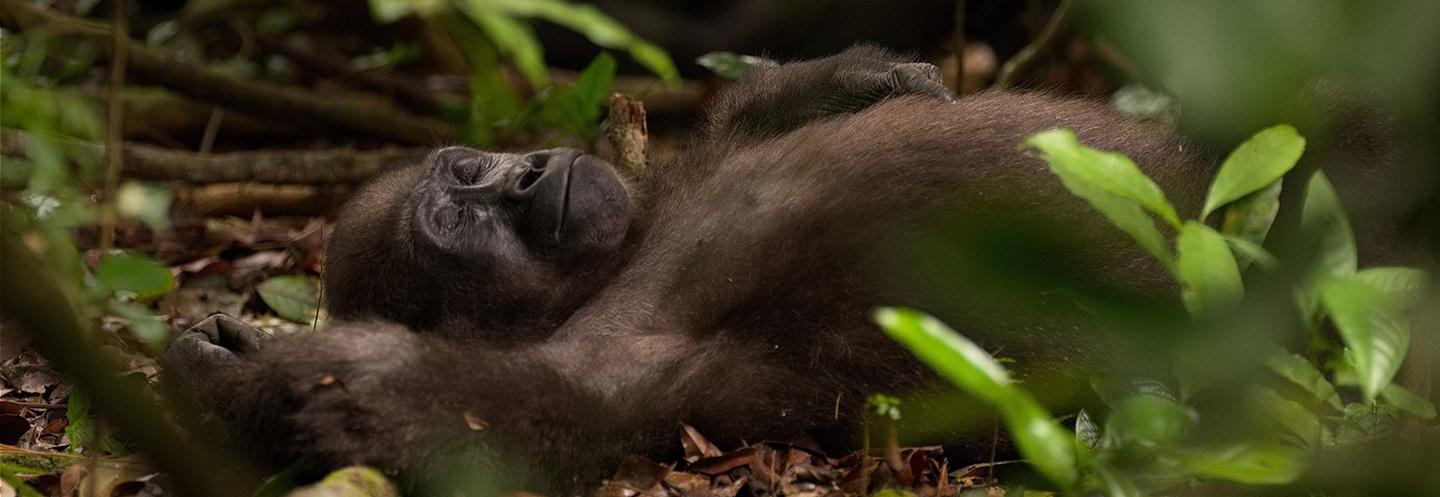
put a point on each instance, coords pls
(1022, 60)
(318, 167)
(212, 128)
(627, 133)
(115, 124)
(957, 43)
(263, 98)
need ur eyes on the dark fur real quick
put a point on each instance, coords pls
(739, 304)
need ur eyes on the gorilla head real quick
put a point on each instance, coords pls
(497, 210)
(480, 237)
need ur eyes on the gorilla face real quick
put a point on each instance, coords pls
(555, 206)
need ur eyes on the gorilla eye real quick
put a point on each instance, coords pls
(467, 170)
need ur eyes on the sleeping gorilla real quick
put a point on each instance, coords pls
(533, 312)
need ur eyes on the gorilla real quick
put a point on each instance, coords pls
(530, 319)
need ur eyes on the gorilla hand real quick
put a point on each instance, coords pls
(216, 342)
(774, 100)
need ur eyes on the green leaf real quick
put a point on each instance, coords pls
(1249, 219)
(1250, 464)
(142, 323)
(1049, 447)
(656, 59)
(1401, 285)
(1305, 375)
(599, 28)
(1258, 162)
(1149, 421)
(513, 38)
(1109, 171)
(22, 489)
(1407, 401)
(388, 11)
(1323, 220)
(955, 358)
(1115, 483)
(1124, 213)
(1208, 275)
(292, 297)
(125, 272)
(1295, 418)
(730, 65)
(1246, 252)
(1373, 327)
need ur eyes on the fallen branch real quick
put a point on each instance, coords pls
(626, 131)
(249, 96)
(315, 167)
(244, 199)
(411, 92)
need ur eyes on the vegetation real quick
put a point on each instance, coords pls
(1148, 441)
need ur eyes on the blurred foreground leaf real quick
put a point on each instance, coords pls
(1209, 277)
(123, 272)
(1046, 445)
(1375, 330)
(1255, 164)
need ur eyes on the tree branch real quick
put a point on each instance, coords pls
(316, 167)
(249, 96)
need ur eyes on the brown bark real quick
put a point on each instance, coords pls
(627, 133)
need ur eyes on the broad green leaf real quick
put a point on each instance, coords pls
(1209, 278)
(1297, 419)
(1149, 421)
(593, 84)
(142, 323)
(1109, 171)
(1250, 464)
(1323, 220)
(1247, 252)
(598, 27)
(1258, 162)
(1407, 401)
(292, 297)
(1046, 445)
(125, 272)
(1049, 447)
(1373, 328)
(1402, 285)
(1250, 217)
(1305, 375)
(957, 359)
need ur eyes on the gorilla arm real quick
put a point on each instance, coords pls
(444, 413)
